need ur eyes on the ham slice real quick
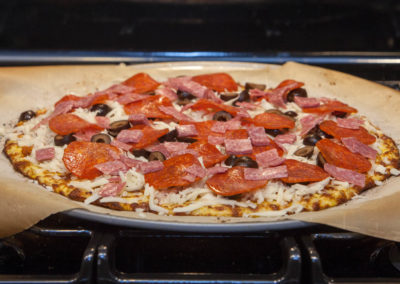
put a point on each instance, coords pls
(309, 122)
(160, 148)
(102, 121)
(350, 123)
(196, 170)
(345, 175)
(130, 163)
(187, 85)
(175, 146)
(121, 145)
(265, 174)
(167, 92)
(150, 167)
(285, 139)
(216, 170)
(111, 189)
(222, 126)
(60, 108)
(129, 136)
(117, 89)
(238, 146)
(186, 130)
(258, 136)
(355, 146)
(246, 105)
(138, 118)
(269, 158)
(215, 140)
(130, 98)
(45, 154)
(306, 102)
(170, 110)
(112, 167)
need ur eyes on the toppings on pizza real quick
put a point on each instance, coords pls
(149, 107)
(174, 172)
(273, 121)
(194, 145)
(340, 156)
(299, 172)
(67, 123)
(81, 158)
(332, 128)
(210, 154)
(345, 175)
(141, 83)
(233, 182)
(220, 82)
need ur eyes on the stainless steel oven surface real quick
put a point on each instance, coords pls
(357, 37)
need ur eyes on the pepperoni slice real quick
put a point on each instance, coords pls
(150, 136)
(287, 86)
(341, 157)
(273, 121)
(232, 182)
(219, 82)
(204, 130)
(303, 172)
(67, 98)
(67, 123)
(236, 134)
(330, 107)
(173, 172)
(330, 127)
(149, 107)
(211, 155)
(80, 158)
(141, 83)
(210, 106)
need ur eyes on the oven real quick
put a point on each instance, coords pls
(357, 37)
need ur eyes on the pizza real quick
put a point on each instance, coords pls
(203, 145)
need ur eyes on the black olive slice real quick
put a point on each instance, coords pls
(101, 138)
(311, 139)
(290, 113)
(185, 95)
(141, 153)
(27, 115)
(243, 97)
(117, 126)
(230, 160)
(228, 96)
(222, 116)
(305, 152)
(299, 92)
(274, 110)
(340, 114)
(150, 93)
(245, 161)
(249, 86)
(320, 160)
(183, 102)
(186, 139)
(60, 140)
(100, 109)
(170, 136)
(156, 156)
(276, 132)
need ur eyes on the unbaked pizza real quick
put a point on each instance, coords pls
(202, 145)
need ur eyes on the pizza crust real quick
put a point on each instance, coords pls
(21, 80)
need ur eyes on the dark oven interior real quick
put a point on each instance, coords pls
(358, 37)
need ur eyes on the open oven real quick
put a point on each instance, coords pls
(357, 37)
